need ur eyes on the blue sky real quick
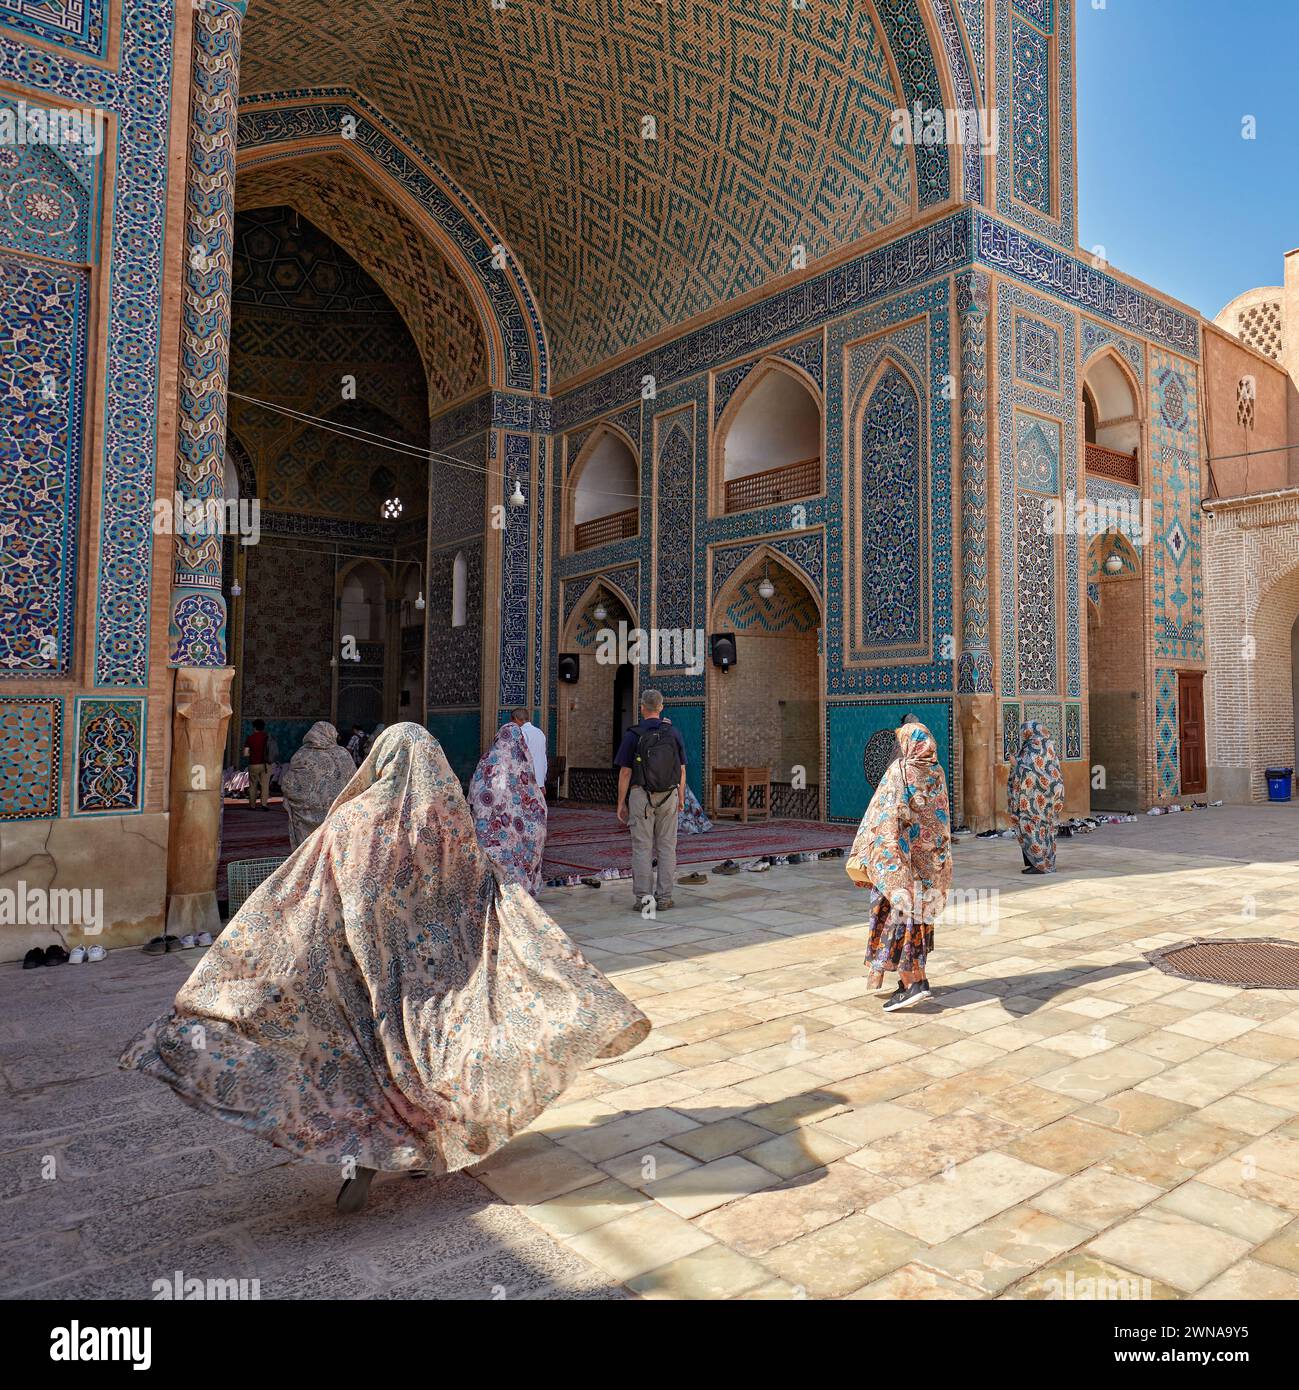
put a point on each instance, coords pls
(1165, 182)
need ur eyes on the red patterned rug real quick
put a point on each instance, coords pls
(582, 842)
(249, 834)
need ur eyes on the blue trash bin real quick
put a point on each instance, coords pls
(1278, 783)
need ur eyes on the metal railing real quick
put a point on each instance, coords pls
(773, 485)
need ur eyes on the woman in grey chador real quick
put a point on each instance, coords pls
(318, 771)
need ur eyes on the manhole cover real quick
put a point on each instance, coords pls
(881, 749)
(1261, 963)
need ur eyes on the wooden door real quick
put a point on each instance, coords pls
(1190, 731)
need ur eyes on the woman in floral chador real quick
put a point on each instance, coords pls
(317, 772)
(386, 999)
(1035, 797)
(903, 853)
(509, 808)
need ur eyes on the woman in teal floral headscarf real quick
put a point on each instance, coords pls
(386, 999)
(903, 852)
(1035, 797)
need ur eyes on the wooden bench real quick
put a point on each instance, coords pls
(742, 780)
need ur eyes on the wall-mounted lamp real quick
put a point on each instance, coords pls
(766, 588)
(517, 498)
(1113, 562)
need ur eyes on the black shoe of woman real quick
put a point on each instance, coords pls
(354, 1193)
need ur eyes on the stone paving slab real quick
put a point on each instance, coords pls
(1060, 1119)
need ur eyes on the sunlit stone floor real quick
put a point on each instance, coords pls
(1061, 1120)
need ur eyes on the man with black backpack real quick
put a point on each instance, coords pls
(651, 790)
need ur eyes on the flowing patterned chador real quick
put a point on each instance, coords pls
(903, 851)
(1035, 796)
(385, 996)
(317, 772)
(508, 808)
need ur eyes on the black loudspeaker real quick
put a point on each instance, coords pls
(722, 646)
(567, 668)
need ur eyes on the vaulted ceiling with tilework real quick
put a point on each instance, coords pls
(772, 126)
(404, 264)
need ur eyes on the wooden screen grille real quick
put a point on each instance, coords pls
(617, 526)
(1110, 463)
(784, 484)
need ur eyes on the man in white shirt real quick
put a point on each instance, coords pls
(536, 742)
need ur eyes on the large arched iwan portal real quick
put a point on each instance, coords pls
(766, 710)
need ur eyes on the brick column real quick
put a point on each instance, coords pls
(197, 626)
(976, 703)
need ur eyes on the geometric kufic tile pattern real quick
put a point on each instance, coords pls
(81, 26)
(505, 100)
(31, 747)
(317, 271)
(324, 116)
(1167, 753)
(109, 768)
(288, 631)
(1177, 588)
(43, 327)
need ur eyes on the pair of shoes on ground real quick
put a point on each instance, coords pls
(693, 880)
(56, 955)
(906, 995)
(81, 954)
(161, 945)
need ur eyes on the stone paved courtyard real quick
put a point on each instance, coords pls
(1059, 1112)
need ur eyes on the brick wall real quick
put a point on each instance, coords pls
(1116, 721)
(766, 711)
(1252, 590)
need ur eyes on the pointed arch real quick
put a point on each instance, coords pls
(620, 513)
(804, 476)
(296, 127)
(762, 554)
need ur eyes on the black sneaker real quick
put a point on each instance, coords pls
(925, 991)
(903, 998)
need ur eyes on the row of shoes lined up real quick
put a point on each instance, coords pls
(162, 945)
(56, 955)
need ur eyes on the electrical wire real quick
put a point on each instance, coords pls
(396, 446)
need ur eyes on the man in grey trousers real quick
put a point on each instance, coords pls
(651, 766)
